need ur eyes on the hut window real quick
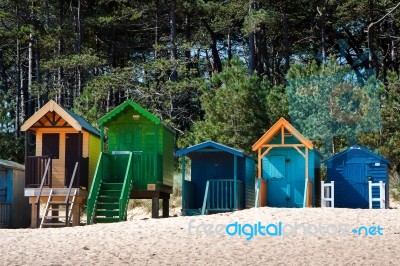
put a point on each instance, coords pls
(51, 145)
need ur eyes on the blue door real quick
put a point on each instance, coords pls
(278, 187)
(356, 182)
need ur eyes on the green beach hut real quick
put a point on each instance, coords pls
(137, 164)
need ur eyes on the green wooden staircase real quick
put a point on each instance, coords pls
(109, 195)
(107, 210)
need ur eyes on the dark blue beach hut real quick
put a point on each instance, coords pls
(351, 170)
(221, 179)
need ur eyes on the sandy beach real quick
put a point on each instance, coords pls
(180, 240)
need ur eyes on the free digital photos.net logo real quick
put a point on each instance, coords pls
(279, 229)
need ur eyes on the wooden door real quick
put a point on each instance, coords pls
(73, 153)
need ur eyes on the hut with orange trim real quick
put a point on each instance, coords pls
(60, 170)
(288, 168)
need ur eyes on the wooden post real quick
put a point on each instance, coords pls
(76, 217)
(33, 215)
(154, 207)
(259, 163)
(183, 183)
(54, 212)
(306, 178)
(322, 194)
(26, 156)
(370, 194)
(165, 207)
(235, 181)
(155, 152)
(80, 153)
(102, 138)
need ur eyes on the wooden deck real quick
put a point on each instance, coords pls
(59, 194)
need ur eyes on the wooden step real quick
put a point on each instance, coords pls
(107, 206)
(107, 199)
(55, 209)
(51, 217)
(54, 224)
(191, 212)
(107, 213)
(106, 220)
(57, 203)
(113, 193)
(111, 186)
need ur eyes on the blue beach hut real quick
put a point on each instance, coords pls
(14, 207)
(351, 170)
(288, 168)
(222, 179)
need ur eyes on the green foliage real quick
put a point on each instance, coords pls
(11, 148)
(327, 103)
(235, 107)
(390, 138)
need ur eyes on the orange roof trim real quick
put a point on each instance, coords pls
(267, 137)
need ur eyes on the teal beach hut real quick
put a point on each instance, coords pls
(222, 179)
(288, 168)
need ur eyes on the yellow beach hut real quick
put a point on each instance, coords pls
(62, 167)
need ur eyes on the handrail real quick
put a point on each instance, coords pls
(40, 193)
(94, 190)
(256, 204)
(126, 189)
(69, 193)
(222, 195)
(203, 209)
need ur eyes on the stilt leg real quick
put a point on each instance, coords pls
(33, 216)
(76, 215)
(165, 207)
(155, 207)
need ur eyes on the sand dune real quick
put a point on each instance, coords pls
(168, 241)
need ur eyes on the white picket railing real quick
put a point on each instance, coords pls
(382, 194)
(330, 194)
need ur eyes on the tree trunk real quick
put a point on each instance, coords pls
(188, 39)
(217, 65)
(323, 33)
(38, 75)
(252, 62)
(18, 81)
(251, 54)
(3, 76)
(79, 47)
(286, 40)
(174, 51)
(60, 72)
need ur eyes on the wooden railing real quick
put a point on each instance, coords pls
(103, 166)
(220, 195)
(67, 220)
(5, 214)
(35, 171)
(43, 182)
(126, 190)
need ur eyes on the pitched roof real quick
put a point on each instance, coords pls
(128, 104)
(85, 124)
(11, 165)
(77, 122)
(276, 128)
(209, 144)
(358, 148)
